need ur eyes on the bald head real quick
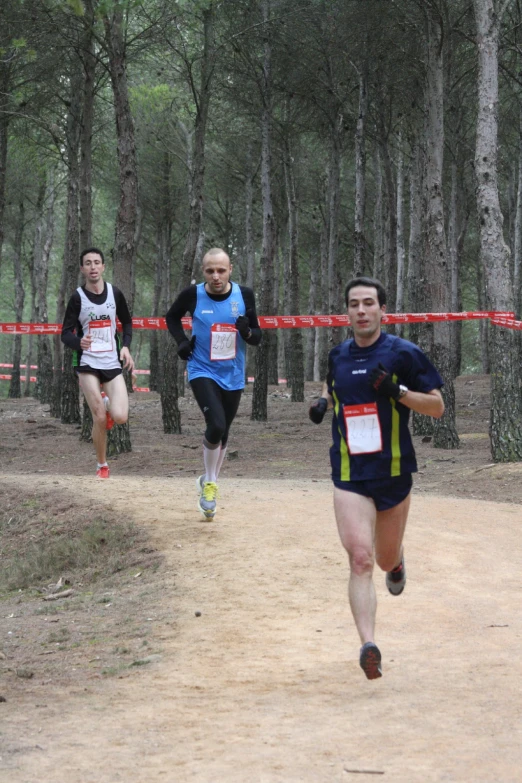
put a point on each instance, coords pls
(217, 269)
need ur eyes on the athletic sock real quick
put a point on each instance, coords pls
(102, 464)
(210, 460)
(222, 453)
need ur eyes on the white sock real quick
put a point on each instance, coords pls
(222, 453)
(103, 465)
(210, 460)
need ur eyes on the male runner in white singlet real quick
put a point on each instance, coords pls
(89, 329)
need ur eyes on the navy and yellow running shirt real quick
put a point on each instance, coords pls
(349, 366)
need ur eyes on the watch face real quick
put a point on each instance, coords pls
(402, 390)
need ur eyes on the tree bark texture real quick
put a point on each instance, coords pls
(266, 265)
(506, 406)
(435, 246)
(197, 172)
(295, 342)
(333, 201)
(359, 236)
(43, 241)
(15, 389)
(89, 76)
(127, 222)
(70, 395)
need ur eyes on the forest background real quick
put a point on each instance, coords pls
(313, 140)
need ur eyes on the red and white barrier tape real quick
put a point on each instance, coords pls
(288, 321)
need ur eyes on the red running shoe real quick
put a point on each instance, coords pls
(109, 424)
(103, 472)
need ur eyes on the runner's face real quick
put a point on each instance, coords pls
(216, 271)
(365, 313)
(93, 267)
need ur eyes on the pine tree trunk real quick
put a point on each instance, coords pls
(295, 342)
(197, 173)
(70, 412)
(86, 131)
(506, 402)
(260, 391)
(127, 221)
(359, 238)
(43, 241)
(378, 219)
(15, 390)
(435, 248)
(5, 92)
(87, 423)
(401, 255)
(250, 255)
(333, 199)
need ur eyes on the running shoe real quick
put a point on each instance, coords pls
(370, 660)
(103, 472)
(207, 499)
(200, 481)
(396, 579)
(109, 423)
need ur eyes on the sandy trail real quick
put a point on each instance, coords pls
(265, 685)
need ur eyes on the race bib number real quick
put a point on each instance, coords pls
(363, 428)
(223, 339)
(101, 333)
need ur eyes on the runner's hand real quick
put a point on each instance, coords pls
(317, 410)
(243, 325)
(186, 347)
(126, 359)
(381, 381)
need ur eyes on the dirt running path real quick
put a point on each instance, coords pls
(264, 686)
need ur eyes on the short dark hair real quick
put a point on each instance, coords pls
(91, 250)
(369, 282)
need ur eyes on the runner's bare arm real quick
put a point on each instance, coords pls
(429, 403)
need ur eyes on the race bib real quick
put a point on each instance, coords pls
(363, 428)
(223, 339)
(101, 333)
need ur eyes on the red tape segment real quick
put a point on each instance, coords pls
(499, 318)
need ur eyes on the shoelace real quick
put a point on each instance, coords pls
(210, 490)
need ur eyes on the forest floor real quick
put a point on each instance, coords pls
(224, 652)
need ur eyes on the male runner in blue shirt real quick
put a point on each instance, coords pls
(224, 320)
(373, 382)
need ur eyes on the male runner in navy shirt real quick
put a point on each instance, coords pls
(373, 382)
(224, 320)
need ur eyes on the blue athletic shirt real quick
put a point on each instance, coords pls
(348, 368)
(228, 373)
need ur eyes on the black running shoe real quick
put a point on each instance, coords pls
(396, 579)
(370, 660)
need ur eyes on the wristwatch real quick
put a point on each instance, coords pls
(402, 390)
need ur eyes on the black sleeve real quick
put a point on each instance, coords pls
(71, 324)
(185, 303)
(250, 306)
(122, 312)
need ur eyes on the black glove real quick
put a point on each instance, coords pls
(381, 381)
(317, 410)
(243, 325)
(185, 348)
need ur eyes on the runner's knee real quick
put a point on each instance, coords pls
(361, 560)
(216, 428)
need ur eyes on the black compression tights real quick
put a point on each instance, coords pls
(218, 406)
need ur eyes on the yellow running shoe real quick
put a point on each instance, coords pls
(207, 499)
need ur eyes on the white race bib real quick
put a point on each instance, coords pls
(101, 333)
(363, 428)
(223, 338)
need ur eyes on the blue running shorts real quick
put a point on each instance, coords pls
(385, 492)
